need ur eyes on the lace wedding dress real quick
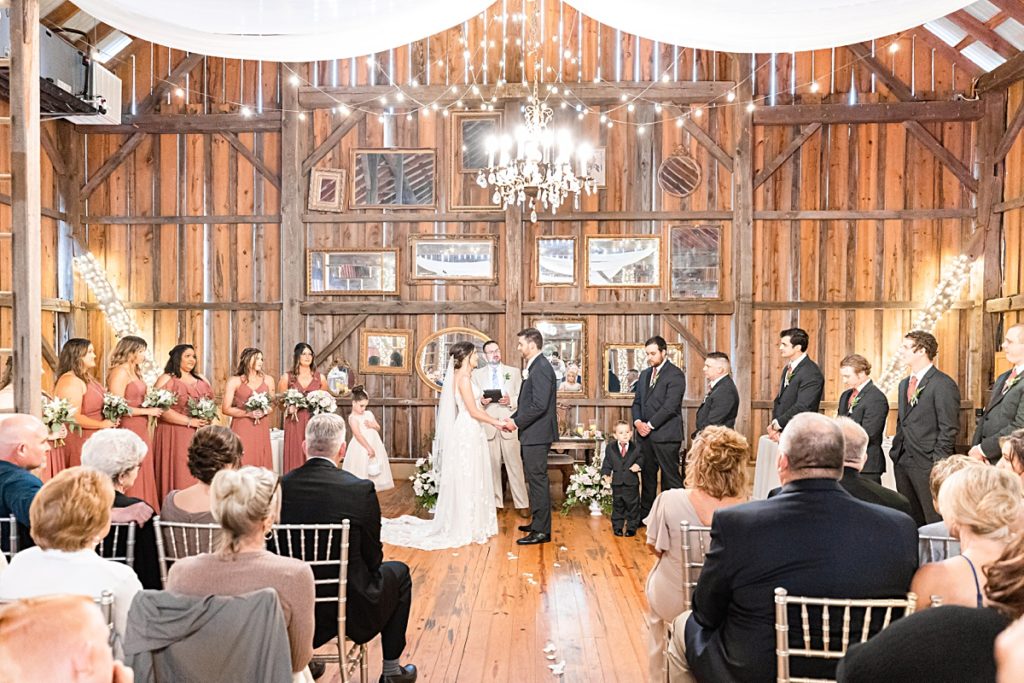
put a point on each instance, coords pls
(465, 510)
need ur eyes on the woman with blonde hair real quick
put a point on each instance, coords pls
(978, 505)
(125, 380)
(716, 477)
(246, 503)
(76, 383)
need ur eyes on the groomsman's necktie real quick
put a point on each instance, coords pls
(654, 375)
(1009, 381)
(853, 396)
(911, 388)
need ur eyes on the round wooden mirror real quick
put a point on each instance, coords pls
(432, 354)
(679, 175)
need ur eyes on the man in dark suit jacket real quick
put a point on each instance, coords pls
(813, 539)
(658, 420)
(865, 404)
(379, 593)
(927, 423)
(801, 385)
(855, 454)
(722, 401)
(536, 419)
(621, 465)
(1005, 410)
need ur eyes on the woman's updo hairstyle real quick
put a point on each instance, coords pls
(986, 500)
(717, 462)
(460, 352)
(359, 393)
(240, 500)
(212, 449)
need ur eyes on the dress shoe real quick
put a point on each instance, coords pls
(316, 669)
(534, 538)
(631, 532)
(617, 532)
(526, 527)
(523, 512)
(408, 675)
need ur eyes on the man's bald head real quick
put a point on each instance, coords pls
(23, 441)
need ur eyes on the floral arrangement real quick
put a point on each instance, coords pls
(158, 398)
(202, 409)
(586, 486)
(293, 398)
(320, 402)
(258, 402)
(115, 407)
(57, 413)
(424, 483)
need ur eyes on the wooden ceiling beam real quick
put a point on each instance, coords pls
(983, 34)
(61, 14)
(952, 55)
(1002, 76)
(1012, 8)
(862, 51)
(164, 86)
(873, 112)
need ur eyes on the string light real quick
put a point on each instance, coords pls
(121, 320)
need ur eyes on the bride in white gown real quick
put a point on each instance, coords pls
(465, 511)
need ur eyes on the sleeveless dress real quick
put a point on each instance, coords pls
(70, 454)
(295, 430)
(171, 441)
(145, 484)
(465, 501)
(357, 459)
(255, 437)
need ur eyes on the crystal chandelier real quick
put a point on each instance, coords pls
(542, 168)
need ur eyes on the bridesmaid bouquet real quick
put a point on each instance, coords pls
(57, 413)
(293, 398)
(202, 409)
(320, 402)
(259, 401)
(115, 407)
(158, 398)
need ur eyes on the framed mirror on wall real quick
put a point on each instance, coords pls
(326, 190)
(385, 352)
(352, 271)
(456, 258)
(622, 261)
(565, 347)
(393, 178)
(695, 261)
(556, 262)
(623, 364)
(469, 133)
(432, 354)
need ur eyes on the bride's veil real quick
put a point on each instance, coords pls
(446, 414)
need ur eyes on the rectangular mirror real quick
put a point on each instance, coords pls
(352, 271)
(385, 352)
(623, 261)
(469, 132)
(695, 258)
(389, 178)
(454, 258)
(556, 261)
(623, 364)
(565, 347)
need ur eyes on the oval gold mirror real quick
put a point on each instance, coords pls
(679, 175)
(432, 355)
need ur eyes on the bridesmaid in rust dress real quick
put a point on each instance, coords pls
(125, 379)
(306, 378)
(175, 430)
(76, 384)
(252, 427)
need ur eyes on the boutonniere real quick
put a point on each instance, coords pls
(789, 376)
(854, 402)
(508, 376)
(1010, 382)
(526, 374)
(913, 399)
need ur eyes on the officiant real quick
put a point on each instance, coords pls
(500, 384)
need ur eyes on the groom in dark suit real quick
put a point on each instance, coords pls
(865, 404)
(1005, 410)
(658, 420)
(537, 421)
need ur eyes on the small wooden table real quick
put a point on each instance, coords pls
(569, 451)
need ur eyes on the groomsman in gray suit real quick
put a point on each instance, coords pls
(1005, 410)
(504, 445)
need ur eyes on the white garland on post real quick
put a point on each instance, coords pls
(946, 294)
(118, 317)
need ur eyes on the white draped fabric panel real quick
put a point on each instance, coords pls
(306, 30)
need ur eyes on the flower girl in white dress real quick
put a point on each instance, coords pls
(366, 456)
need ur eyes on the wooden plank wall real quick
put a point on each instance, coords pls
(1013, 220)
(229, 274)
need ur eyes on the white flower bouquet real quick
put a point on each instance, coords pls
(258, 402)
(202, 409)
(293, 398)
(57, 413)
(158, 398)
(586, 486)
(424, 483)
(320, 402)
(115, 407)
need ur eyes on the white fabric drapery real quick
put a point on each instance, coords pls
(306, 30)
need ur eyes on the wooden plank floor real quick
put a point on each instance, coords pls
(486, 612)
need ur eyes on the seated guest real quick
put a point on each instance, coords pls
(812, 539)
(949, 644)
(379, 593)
(1013, 452)
(30, 629)
(855, 454)
(213, 448)
(978, 505)
(246, 503)
(1010, 653)
(69, 516)
(118, 453)
(716, 477)
(23, 448)
(936, 551)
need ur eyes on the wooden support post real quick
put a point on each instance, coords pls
(514, 260)
(293, 230)
(742, 345)
(26, 218)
